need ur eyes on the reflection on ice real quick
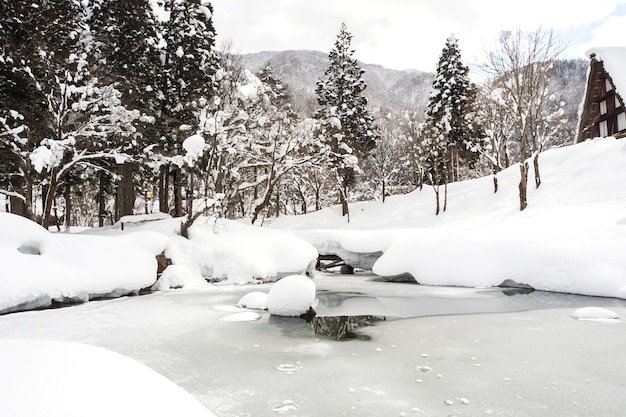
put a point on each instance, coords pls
(342, 327)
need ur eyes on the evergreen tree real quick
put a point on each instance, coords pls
(189, 64)
(124, 53)
(348, 127)
(38, 39)
(451, 129)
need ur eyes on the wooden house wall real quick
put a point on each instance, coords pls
(596, 93)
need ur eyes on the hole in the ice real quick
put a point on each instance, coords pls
(30, 249)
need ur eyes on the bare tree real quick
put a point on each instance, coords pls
(522, 65)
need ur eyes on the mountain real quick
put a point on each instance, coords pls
(395, 90)
(387, 89)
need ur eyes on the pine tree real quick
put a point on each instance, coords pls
(124, 52)
(187, 83)
(37, 38)
(450, 129)
(348, 127)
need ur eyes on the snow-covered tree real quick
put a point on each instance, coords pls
(189, 64)
(36, 38)
(347, 126)
(499, 129)
(124, 51)
(451, 128)
(522, 65)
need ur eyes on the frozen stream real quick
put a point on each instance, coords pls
(527, 357)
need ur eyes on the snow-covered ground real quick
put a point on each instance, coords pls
(532, 363)
(571, 238)
(239, 362)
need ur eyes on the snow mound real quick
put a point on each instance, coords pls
(255, 300)
(291, 296)
(591, 313)
(39, 267)
(51, 378)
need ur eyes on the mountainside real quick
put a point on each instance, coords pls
(386, 88)
(389, 89)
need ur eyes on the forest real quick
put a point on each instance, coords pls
(115, 108)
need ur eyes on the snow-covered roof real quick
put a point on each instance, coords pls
(614, 60)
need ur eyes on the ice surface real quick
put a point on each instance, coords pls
(529, 363)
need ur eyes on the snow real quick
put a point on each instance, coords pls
(594, 313)
(55, 378)
(570, 238)
(255, 300)
(194, 146)
(291, 296)
(39, 267)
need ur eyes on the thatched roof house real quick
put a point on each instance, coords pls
(603, 113)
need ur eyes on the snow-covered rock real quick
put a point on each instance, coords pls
(255, 300)
(291, 296)
(59, 379)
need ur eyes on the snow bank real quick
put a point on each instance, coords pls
(50, 378)
(38, 267)
(242, 254)
(571, 238)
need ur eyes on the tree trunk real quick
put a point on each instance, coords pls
(178, 196)
(101, 205)
(68, 206)
(523, 185)
(344, 203)
(125, 198)
(18, 206)
(49, 199)
(384, 190)
(164, 187)
(445, 195)
(536, 166)
(436, 188)
(495, 178)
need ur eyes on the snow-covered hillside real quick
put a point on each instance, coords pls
(570, 238)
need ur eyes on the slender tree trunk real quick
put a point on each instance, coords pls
(495, 179)
(384, 189)
(68, 206)
(523, 185)
(178, 197)
(445, 195)
(536, 166)
(49, 199)
(436, 188)
(101, 205)
(164, 187)
(317, 199)
(344, 203)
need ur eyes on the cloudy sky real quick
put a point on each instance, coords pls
(409, 34)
